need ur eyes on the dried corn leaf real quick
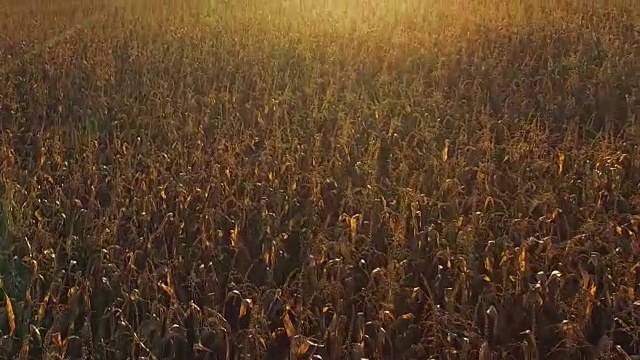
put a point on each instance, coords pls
(445, 150)
(299, 346)
(10, 314)
(588, 309)
(27, 297)
(288, 325)
(268, 253)
(24, 348)
(167, 289)
(39, 216)
(561, 159)
(488, 264)
(234, 236)
(538, 299)
(353, 226)
(43, 307)
(407, 316)
(585, 279)
(72, 291)
(504, 257)
(57, 338)
(245, 307)
(333, 325)
(522, 260)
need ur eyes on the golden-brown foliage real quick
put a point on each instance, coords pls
(301, 179)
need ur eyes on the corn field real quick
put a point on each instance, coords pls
(326, 179)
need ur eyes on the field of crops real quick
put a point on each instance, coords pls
(335, 179)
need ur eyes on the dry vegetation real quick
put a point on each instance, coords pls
(319, 179)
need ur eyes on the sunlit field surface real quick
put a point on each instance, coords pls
(340, 179)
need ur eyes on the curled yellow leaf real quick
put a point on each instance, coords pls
(561, 158)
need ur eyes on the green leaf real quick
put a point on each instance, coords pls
(91, 126)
